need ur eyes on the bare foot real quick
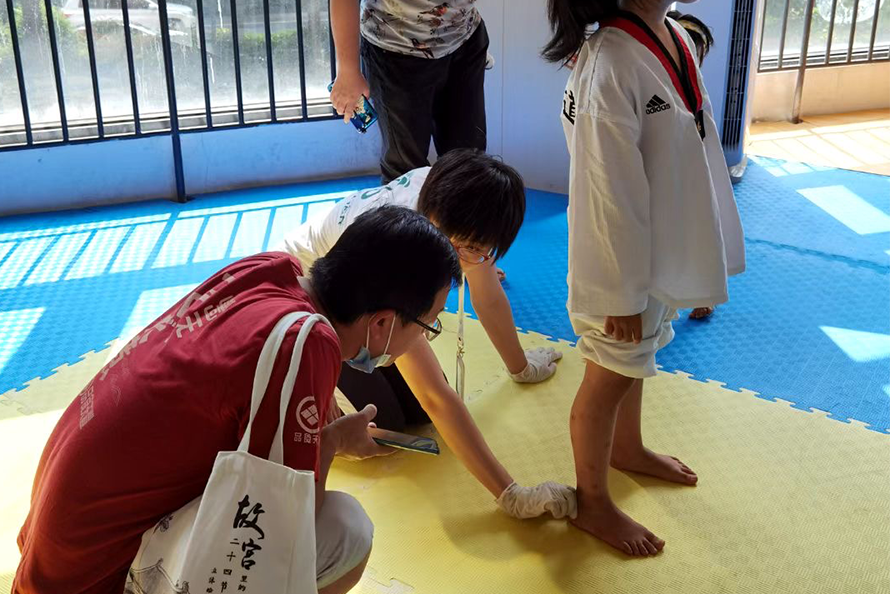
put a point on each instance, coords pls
(657, 465)
(502, 276)
(605, 521)
(700, 313)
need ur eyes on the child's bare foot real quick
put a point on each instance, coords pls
(700, 313)
(605, 521)
(657, 465)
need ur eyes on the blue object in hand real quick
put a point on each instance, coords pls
(364, 115)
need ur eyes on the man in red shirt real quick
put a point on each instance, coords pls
(140, 440)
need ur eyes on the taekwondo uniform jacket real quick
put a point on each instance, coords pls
(651, 208)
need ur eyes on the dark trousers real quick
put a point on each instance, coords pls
(417, 98)
(397, 407)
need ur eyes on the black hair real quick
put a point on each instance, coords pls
(389, 258)
(474, 197)
(697, 30)
(569, 20)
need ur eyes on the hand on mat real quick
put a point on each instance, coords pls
(531, 502)
(625, 328)
(354, 441)
(541, 365)
(348, 87)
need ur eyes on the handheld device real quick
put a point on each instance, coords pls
(402, 441)
(460, 371)
(364, 115)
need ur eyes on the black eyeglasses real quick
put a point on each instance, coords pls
(430, 332)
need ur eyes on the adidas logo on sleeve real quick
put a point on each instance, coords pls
(656, 104)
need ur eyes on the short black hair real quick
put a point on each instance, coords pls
(389, 258)
(474, 197)
(699, 32)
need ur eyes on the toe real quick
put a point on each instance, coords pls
(659, 544)
(626, 548)
(681, 463)
(650, 547)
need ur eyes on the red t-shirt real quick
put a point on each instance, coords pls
(140, 440)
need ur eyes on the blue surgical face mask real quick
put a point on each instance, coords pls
(364, 361)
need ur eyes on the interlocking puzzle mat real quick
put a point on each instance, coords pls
(788, 502)
(807, 328)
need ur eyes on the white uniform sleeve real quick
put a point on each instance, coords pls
(609, 226)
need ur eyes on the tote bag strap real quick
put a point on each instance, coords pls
(264, 371)
(276, 453)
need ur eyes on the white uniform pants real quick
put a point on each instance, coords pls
(626, 358)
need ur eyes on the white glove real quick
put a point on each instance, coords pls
(541, 365)
(531, 502)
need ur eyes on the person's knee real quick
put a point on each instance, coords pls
(344, 534)
(605, 384)
(348, 581)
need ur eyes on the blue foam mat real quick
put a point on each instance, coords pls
(807, 323)
(813, 288)
(775, 199)
(48, 324)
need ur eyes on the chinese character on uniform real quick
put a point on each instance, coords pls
(568, 106)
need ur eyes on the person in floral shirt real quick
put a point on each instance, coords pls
(422, 64)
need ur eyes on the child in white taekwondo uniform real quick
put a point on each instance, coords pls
(653, 227)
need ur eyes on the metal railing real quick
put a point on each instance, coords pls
(823, 19)
(169, 120)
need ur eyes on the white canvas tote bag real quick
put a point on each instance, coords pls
(253, 529)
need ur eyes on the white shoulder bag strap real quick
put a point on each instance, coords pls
(264, 372)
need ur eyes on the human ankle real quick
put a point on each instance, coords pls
(593, 498)
(628, 454)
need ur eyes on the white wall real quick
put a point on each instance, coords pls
(277, 154)
(125, 170)
(75, 176)
(717, 16)
(825, 91)
(524, 94)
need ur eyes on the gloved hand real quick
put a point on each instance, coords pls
(531, 502)
(541, 365)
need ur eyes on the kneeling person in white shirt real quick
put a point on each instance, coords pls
(479, 203)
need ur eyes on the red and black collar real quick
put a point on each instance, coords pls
(683, 77)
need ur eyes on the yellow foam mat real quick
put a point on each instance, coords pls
(27, 418)
(787, 502)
